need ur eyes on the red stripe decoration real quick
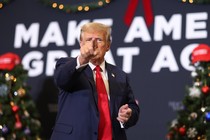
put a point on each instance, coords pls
(129, 15)
(148, 12)
(130, 11)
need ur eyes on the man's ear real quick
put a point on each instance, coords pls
(108, 47)
(81, 43)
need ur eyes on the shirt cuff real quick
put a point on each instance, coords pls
(121, 125)
(78, 64)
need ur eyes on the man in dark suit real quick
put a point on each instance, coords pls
(79, 113)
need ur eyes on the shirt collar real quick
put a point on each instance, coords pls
(102, 65)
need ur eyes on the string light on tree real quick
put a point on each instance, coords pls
(196, 1)
(1, 5)
(4, 2)
(83, 7)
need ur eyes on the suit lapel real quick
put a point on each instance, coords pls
(112, 88)
(89, 73)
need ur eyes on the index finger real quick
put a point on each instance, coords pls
(91, 45)
(125, 106)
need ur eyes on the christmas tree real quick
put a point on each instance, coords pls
(193, 122)
(19, 119)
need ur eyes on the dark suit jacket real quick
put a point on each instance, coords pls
(78, 115)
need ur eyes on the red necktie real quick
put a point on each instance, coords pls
(105, 127)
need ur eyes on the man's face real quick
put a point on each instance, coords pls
(98, 42)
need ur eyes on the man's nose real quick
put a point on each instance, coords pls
(94, 42)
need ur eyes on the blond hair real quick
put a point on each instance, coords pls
(96, 27)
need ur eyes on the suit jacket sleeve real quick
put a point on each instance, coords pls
(133, 105)
(65, 70)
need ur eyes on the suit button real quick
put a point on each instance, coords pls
(95, 133)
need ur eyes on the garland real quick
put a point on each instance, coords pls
(84, 7)
(4, 2)
(196, 1)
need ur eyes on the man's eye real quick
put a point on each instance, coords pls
(89, 39)
(99, 40)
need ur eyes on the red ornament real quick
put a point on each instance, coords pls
(15, 108)
(18, 124)
(182, 130)
(175, 128)
(201, 53)
(205, 89)
(8, 61)
(169, 136)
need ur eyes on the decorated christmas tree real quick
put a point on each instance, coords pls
(19, 119)
(193, 122)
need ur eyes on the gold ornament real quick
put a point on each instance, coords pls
(193, 115)
(203, 137)
(12, 77)
(38, 138)
(7, 77)
(21, 92)
(26, 113)
(12, 103)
